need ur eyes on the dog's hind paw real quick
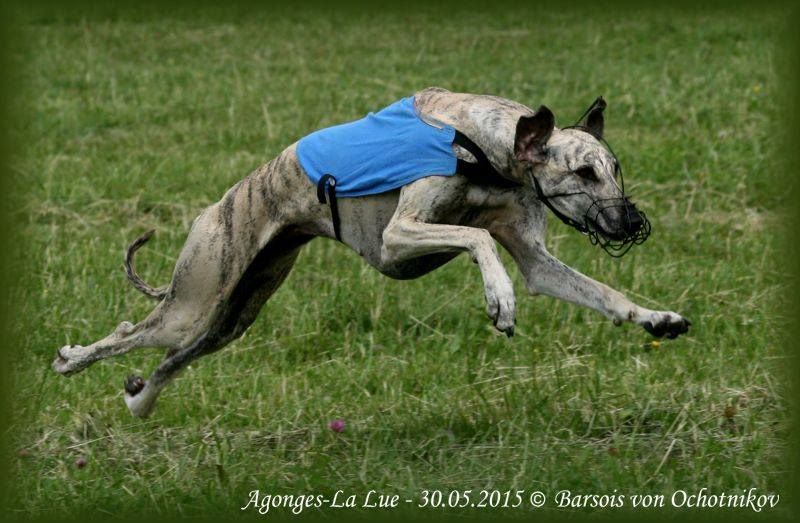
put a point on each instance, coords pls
(60, 363)
(134, 385)
(140, 397)
(70, 359)
(667, 324)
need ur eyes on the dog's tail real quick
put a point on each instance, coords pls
(130, 272)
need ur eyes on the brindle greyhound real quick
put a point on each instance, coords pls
(240, 249)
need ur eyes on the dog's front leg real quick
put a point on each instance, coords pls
(547, 275)
(407, 238)
(544, 274)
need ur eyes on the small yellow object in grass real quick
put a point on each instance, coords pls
(655, 344)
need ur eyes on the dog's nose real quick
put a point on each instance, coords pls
(633, 220)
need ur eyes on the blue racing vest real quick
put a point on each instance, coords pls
(384, 151)
(380, 152)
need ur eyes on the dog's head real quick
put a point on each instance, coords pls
(577, 176)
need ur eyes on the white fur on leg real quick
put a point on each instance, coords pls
(74, 358)
(141, 404)
(500, 301)
(125, 328)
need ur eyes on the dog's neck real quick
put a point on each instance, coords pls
(488, 120)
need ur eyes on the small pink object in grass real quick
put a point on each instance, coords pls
(80, 462)
(337, 425)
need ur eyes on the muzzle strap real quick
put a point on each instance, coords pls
(615, 248)
(560, 215)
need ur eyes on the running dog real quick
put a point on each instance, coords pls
(408, 189)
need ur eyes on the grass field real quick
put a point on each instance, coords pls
(138, 121)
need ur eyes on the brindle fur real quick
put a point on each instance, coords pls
(240, 249)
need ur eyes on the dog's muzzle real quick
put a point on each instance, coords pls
(631, 225)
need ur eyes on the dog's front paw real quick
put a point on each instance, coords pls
(667, 324)
(501, 306)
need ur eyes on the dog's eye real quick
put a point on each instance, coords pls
(587, 173)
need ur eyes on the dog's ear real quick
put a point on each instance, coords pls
(532, 135)
(594, 121)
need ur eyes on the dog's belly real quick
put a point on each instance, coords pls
(410, 269)
(363, 221)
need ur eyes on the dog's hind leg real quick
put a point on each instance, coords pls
(262, 278)
(127, 336)
(222, 243)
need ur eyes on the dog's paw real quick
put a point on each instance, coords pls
(139, 399)
(668, 324)
(133, 385)
(501, 307)
(69, 360)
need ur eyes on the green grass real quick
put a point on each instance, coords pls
(138, 121)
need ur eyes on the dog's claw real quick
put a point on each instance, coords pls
(134, 385)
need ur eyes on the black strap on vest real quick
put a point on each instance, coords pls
(481, 173)
(329, 182)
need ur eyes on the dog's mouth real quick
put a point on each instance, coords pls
(612, 223)
(605, 232)
(616, 225)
